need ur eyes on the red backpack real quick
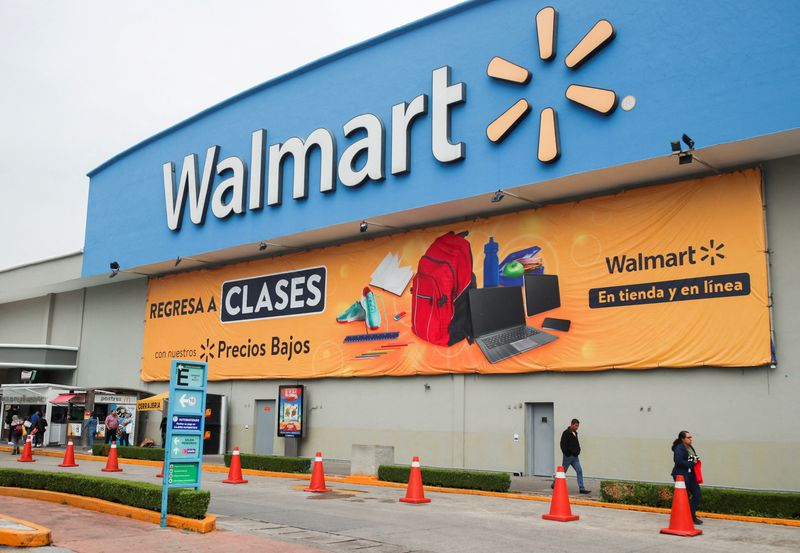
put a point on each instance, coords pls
(439, 293)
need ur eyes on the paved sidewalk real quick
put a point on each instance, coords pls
(91, 532)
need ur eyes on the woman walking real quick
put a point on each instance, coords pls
(16, 433)
(685, 456)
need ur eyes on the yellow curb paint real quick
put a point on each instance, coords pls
(37, 537)
(208, 524)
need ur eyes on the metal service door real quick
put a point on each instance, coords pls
(265, 426)
(540, 443)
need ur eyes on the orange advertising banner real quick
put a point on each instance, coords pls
(666, 276)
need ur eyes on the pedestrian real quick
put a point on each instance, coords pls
(32, 427)
(15, 433)
(112, 423)
(41, 426)
(163, 431)
(90, 428)
(684, 456)
(122, 429)
(571, 449)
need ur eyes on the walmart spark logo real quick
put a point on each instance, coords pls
(598, 99)
(711, 252)
(207, 350)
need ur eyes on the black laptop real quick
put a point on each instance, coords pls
(498, 323)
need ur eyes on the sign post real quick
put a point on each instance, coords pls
(183, 451)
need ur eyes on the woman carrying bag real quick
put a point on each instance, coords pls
(685, 458)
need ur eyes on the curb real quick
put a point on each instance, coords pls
(208, 524)
(36, 537)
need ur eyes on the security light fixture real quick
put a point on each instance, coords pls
(685, 157)
(500, 194)
(365, 225)
(262, 246)
(178, 260)
(114, 269)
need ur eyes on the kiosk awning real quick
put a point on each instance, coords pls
(153, 403)
(63, 399)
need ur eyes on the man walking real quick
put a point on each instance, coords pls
(571, 449)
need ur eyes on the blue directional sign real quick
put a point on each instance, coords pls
(183, 450)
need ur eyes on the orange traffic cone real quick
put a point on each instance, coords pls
(317, 476)
(559, 505)
(414, 494)
(680, 519)
(161, 474)
(27, 453)
(112, 465)
(69, 456)
(235, 472)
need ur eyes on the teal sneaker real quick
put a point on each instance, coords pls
(353, 313)
(370, 306)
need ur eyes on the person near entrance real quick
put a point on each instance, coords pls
(90, 428)
(111, 422)
(685, 457)
(571, 449)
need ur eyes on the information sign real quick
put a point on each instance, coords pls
(187, 404)
(186, 423)
(185, 447)
(182, 473)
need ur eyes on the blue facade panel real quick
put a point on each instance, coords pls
(720, 72)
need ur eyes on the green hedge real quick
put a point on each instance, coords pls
(715, 500)
(182, 502)
(272, 463)
(130, 452)
(450, 478)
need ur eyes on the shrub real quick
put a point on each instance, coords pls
(272, 463)
(182, 502)
(715, 500)
(449, 478)
(130, 452)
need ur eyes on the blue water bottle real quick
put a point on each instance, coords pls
(491, 265)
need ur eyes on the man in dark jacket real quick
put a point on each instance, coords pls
(571, 449)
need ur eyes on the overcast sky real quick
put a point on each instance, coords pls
(83, 81)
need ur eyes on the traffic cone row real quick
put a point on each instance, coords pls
(680, 518)
(559, 504)
(69, 456)
(27, 453)
(680, 522)
(317, 476)
(235, 472)
(112, 464)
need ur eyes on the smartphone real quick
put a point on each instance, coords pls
(556, 324)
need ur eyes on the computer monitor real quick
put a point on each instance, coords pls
(495, 309)
(541, 293)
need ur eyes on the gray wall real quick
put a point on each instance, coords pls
(113, 330)
(25, 322)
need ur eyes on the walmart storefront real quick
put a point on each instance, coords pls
(624, 168)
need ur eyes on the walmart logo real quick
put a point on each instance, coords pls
(598, 99)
